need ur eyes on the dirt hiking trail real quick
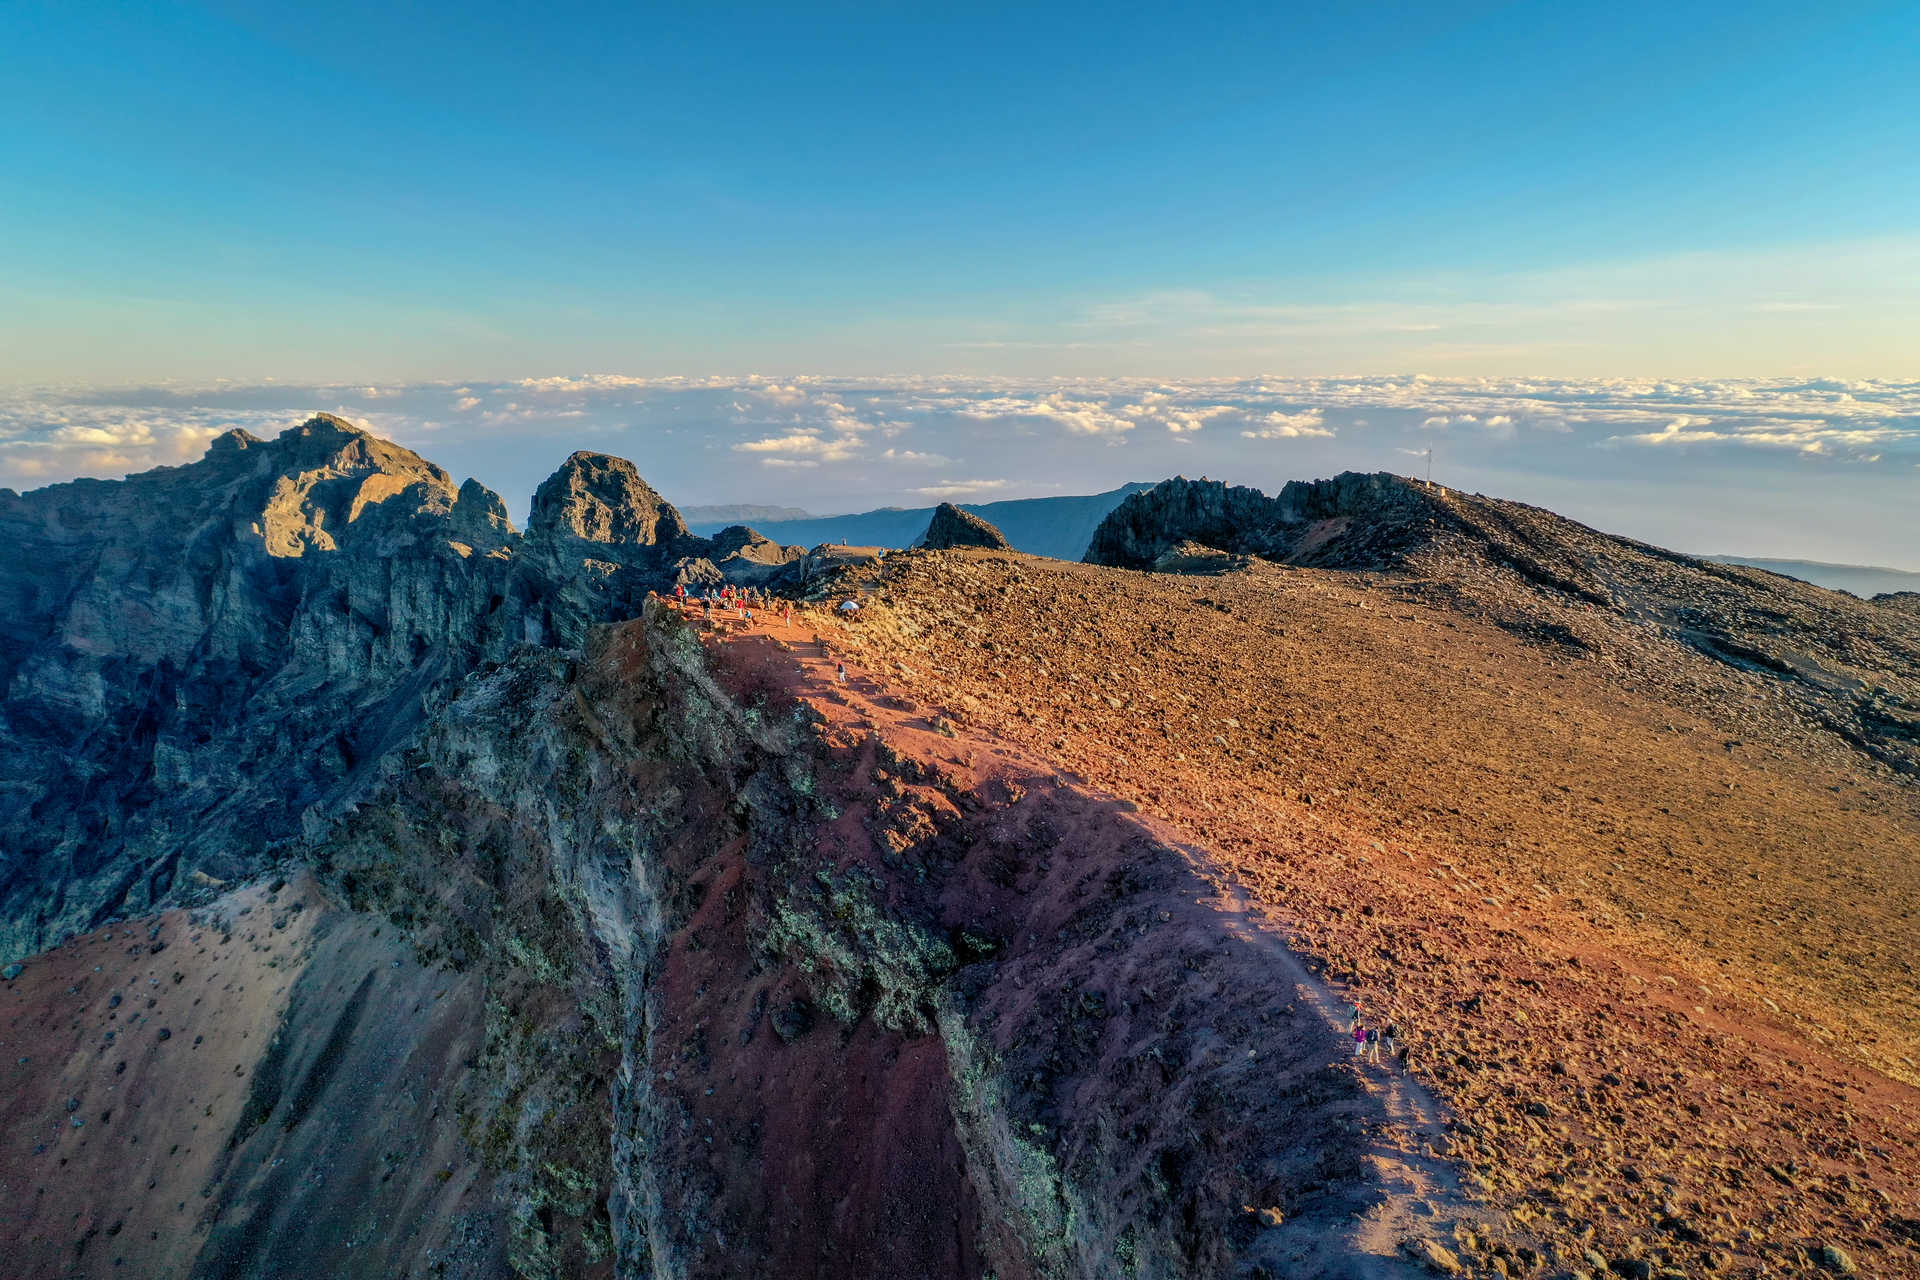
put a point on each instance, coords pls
(1403, 1212)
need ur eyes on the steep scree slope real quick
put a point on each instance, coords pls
(262, 1087)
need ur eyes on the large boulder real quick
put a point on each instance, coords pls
(953, 527)
(1355, 520)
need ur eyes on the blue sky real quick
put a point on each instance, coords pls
(236, 213)
(481, 190)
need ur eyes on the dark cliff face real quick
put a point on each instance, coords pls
(1147, 525)
(952, 527)
(196, 656)
(601, 499)
(1392, 514)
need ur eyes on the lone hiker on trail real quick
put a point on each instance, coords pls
(840, 672)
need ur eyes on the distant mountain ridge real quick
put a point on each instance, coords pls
(715, 518)
(1861, 580)
(1058, 527)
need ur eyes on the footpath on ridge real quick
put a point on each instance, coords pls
(1407, 1210)
(1645, 935)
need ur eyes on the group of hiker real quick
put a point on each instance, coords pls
(729, 600)
(1369, 1039)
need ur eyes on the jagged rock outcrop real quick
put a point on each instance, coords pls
(1848, 664)
(1146, 525)
(741, 555)
(480, 521)
(1310, 522)
(195, 657)
(599, 499)
(820, 569)
(953, 527)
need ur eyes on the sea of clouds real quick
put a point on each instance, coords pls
(1673, 461)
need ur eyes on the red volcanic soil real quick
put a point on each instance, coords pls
(192, 1093)
(1208, 1044)
(1658, 975)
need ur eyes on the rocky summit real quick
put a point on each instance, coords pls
(199, 659)
(1843, 666)
(953, 527)
(391, 892)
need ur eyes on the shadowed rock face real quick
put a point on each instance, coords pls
(597, 498)
(197, 657)
(1206, 512)
(741, 555)
(1239, 520)
(952, 527)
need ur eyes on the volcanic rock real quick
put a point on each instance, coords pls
(1846, 664)
(743, 556)
(1435, 1257)
(1905, 601)
(196, 657)
(602, 499)
(953, 527)
(630, 944)
(1188, 556)
(1147, 525)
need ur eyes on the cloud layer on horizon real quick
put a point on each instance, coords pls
(850, 443)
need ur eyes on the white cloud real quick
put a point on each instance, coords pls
(1813, 436)
(838, 439)
(1291, 426)
(801, 444)
(1082, 417)
(947, 490)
